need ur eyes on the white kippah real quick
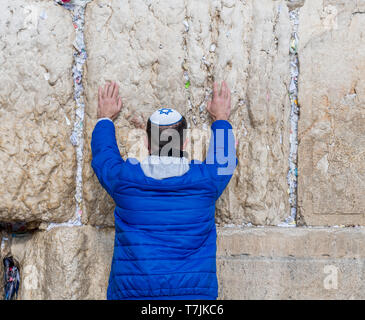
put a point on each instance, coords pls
(165, 117)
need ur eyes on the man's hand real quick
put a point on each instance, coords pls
(109, 102)
(220, 106)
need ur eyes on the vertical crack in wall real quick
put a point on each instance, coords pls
(292, 176)
(196, 105)
(197, 94)
(185, 66)
(77, 10)
(209, 60)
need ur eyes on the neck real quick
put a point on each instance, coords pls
(171, 153)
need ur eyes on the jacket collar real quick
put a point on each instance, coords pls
(162, 167)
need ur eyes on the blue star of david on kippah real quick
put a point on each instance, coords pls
(165, 117)
(165, 111)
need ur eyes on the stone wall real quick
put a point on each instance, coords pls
(65, 263)
(36, 107)
(252, 263)
(295, 263)
(148, 46)
(168, 53)
(332, 122)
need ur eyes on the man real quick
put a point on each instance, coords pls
(165, 234)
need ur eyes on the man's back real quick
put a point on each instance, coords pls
(166, 232)
(165, 240)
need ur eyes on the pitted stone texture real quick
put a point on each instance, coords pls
(252, 263)
(252, 54)
(332, 122)
(65, 263)
(139, 45)
(246, 44)
(144, 45)
(291, 263)
(36, 156)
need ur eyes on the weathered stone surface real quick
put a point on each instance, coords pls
(36, 156)
(65, 263)
(139, 46)
(252, 263)
(146, 47)
(282, 263)
(332, 122)
(252, 54)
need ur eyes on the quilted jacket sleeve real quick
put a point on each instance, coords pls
(106, 159)
(221, 159)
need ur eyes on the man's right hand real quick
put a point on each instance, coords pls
(109, 102)
(220, 106)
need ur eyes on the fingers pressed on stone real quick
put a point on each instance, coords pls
(209, 104)
(215, 90)
(112, 90)
(100, 94)
(106, 89)
(116, 90)
(120, 103)
(224, 90)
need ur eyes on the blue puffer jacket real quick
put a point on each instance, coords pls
(165, 239)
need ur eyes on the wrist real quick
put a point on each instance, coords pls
(220, 117)
(103, 118)
(103, 115)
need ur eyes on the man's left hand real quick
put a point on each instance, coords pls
(109, 102)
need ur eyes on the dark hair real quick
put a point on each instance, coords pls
(160, 136)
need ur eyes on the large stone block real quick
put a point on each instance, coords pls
(64, 263)
(36, 112)
(252, 54)
(138, 44)
(151, 48)
(332, 121)
(252, 263)
(295, 263)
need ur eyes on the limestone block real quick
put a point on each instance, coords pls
(252, 54)
(332, 121)
(36, 112)
(139, 45)
(245, 44)
(300, 263)
(252, 263)
(152, 48)
(65, 263)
